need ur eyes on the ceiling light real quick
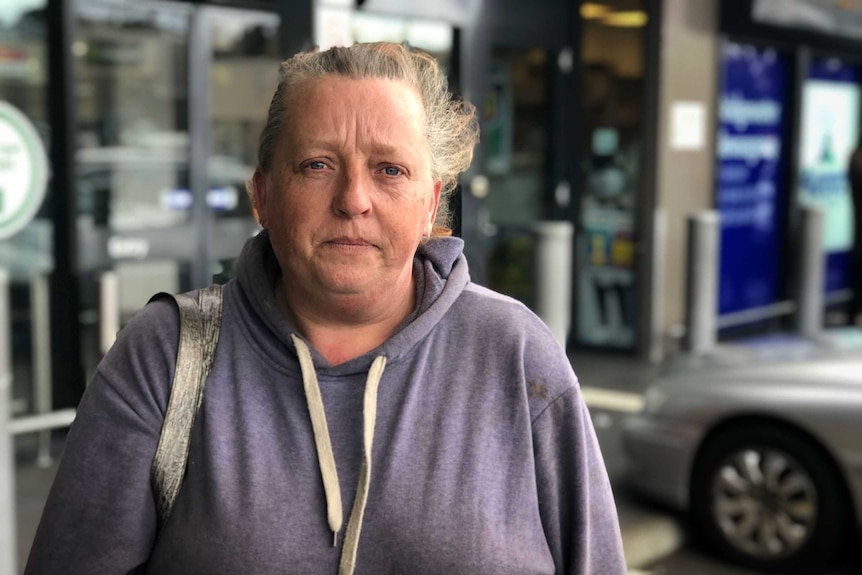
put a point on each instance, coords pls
(593, 11)
(629, 19)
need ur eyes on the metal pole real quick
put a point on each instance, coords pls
(8, 545)
(34, 423)
(200, 117)
(657, 351)
(553, 275)
(811, 281)
(702, 296)
(109, 309)
(62, 103)
(40, 335)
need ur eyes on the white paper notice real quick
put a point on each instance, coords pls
(687, 126)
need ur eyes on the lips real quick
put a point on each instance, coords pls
(348, 242)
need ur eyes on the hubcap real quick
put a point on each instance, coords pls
(764, 502)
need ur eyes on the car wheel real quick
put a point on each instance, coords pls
(770, 498)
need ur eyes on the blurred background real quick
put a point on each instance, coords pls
(642, 181)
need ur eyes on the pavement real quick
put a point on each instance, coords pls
(649, 533)
(612, 386)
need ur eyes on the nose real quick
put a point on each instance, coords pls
(353, 196)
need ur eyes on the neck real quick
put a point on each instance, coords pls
(342, 328)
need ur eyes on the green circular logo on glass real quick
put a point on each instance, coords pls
(23, 170)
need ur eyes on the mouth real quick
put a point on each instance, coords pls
(349, 243)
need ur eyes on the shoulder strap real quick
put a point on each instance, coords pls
(200, 322)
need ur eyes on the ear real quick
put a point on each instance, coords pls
(435, 201)
(258, 182)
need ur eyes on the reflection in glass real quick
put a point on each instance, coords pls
(131, 77)
(243, 77)
(515, 133)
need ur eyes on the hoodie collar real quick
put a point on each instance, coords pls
(441, 274)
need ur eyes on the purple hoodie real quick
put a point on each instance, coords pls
(484, 457)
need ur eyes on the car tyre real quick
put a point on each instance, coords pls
(769, 497)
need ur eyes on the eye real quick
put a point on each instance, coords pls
(391, 171)
(317, 165)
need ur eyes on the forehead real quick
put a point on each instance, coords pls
(342, 103)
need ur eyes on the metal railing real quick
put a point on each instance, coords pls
(701, 318)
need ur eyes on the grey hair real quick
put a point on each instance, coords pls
(450, 124)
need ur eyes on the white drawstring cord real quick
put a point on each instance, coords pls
(325, 457)
(369, 418)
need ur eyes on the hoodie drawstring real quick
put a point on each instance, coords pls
(326, 459)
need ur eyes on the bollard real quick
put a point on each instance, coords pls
(553, 275)
(8, 546)
(702, 282)
(812, 270)
(659, 250)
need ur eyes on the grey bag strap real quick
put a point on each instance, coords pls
(200, 322)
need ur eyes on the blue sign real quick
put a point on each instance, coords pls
(829, 133)
(750, 175)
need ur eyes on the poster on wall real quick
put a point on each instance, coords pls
(829, 133)
(749, 175)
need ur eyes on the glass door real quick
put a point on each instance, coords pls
(170, 100)
(131, 96)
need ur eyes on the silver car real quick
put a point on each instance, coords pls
(762, 446)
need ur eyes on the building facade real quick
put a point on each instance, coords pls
(149, 112)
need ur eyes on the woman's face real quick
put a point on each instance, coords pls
(350, 191)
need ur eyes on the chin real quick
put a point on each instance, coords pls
(346, 285)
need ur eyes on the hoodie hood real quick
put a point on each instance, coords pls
(440, 271)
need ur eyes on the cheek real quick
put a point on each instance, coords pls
(289, 208)
(305, 224)
(412, 223)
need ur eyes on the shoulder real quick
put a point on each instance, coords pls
(157, 324)
(142, 358)
(499, 309)
(505, 317)
(508, 331)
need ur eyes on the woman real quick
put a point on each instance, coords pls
(453, 436)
